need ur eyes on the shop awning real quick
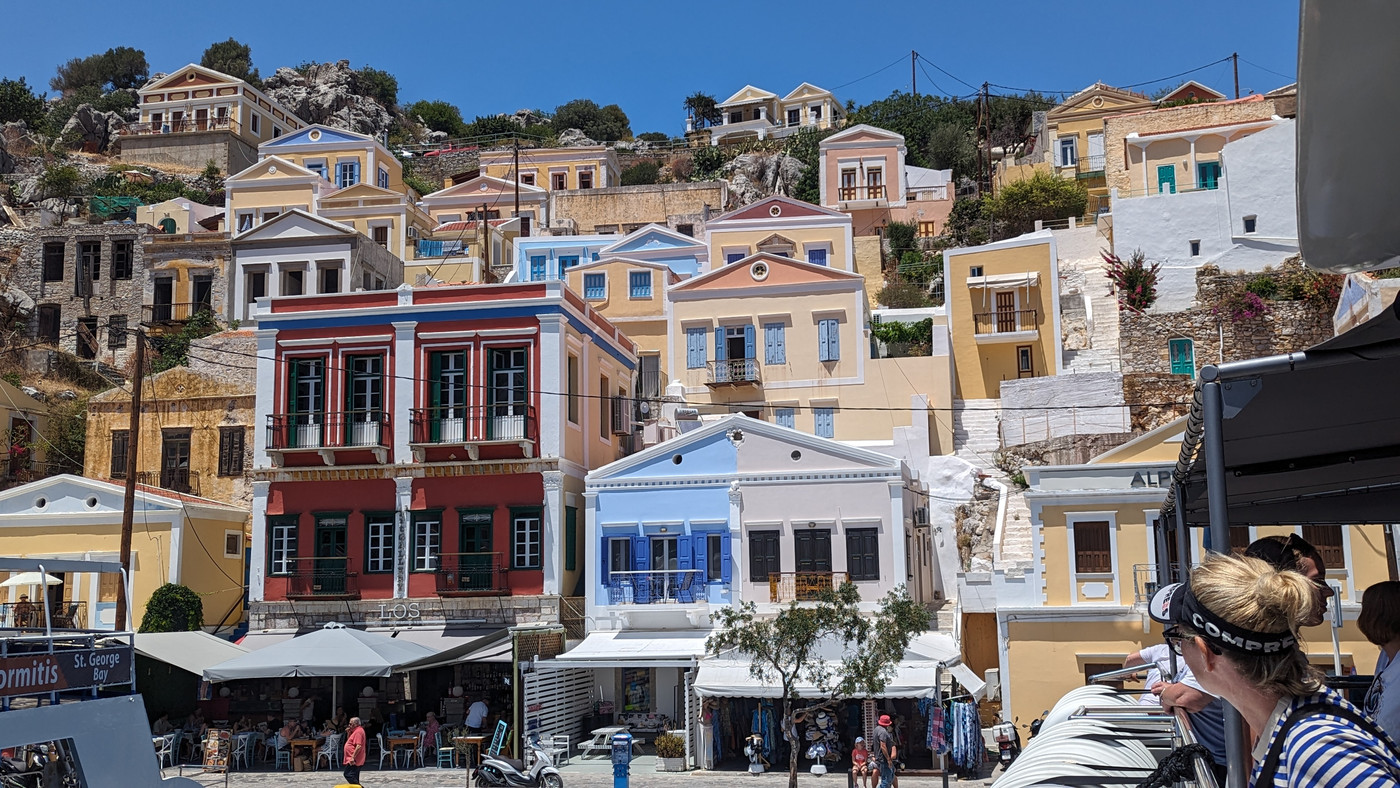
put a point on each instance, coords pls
(1026, 279)
(438, 638)
(970, 680)
(188, 651)
(727, 677)
(334, 650)
(631, 650)
(259, 640)
(490, 646)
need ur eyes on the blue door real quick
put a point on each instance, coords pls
(1208, 175)
(1166, 179)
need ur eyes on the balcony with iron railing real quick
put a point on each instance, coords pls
(330, 432)
(1145, 582)
(733, 372)
(473, 426)
(858, 193)
(472, 574)
(656, 587)
(802, 586)
(1006, 325)
(321, 577)
(1089, 166)
(168, 314)
(180, 480)
(182, 126)
(30, 615)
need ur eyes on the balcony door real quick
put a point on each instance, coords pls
(448, 423)
(308, 402)
(477, 561)
(364, 400)
(163, 300)
(812, 549)
(330, 556)
(508, 405)
(1006, 311)
(175, 460)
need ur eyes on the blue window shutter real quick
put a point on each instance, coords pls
(701, 554)
(683, 552)
(785, 418)
(724, 556)
(769, 351)
(823, 345)
(833, 339)
(606, 553)
(781, 342)
(355, 173)
(694, 348)
(719, 344)
(640, 555)
(749, 341)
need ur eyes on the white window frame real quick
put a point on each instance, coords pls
(383, 542)
(1114, 578)
(255, 123)
(382, 178)
(726, 251)
(651, 285)
(1061, 160)
(282, 548)
(528, 543)
(584, 285)
(238, 221)
(426, 542)
(819, 245)
(238, 534)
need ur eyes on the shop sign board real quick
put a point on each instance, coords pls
(70, 669)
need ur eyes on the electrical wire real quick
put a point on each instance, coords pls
(1293, 78)
(896, 62)
(950, 76)
(1132, 85)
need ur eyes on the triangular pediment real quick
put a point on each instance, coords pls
(864, 132)
(747, 94)
(763, 269)
(1191, 89)
(362, 191)
(806, 91)
(1100, 98)
(318, 135)
(483, 185)
(295, 224)
(270, 169)
(652, 237)
(779, 207)
(66, 494)
(192, 75)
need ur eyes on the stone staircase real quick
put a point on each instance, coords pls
(1017, 549)
(977, 430)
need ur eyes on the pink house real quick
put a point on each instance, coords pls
(863, 174)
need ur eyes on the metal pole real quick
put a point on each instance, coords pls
(1236, 57)
(1183, 536)
(1219, 504)
(1164, 561)
(913, 78)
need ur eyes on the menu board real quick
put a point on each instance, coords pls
(216, 750)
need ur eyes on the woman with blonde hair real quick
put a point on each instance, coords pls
(1235, 623)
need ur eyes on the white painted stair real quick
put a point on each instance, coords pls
(1017, 547)
(976, 430)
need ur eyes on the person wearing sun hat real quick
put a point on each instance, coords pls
(885, 751)
(1235, 623)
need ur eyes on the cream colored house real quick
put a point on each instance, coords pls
(555, 169)
(180, 216)
(632, 295)
(782, 226)
(489, 197)
(863, 174)
(755, 113)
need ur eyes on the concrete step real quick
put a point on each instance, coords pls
(976, 429)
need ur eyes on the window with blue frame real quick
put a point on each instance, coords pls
(595, 286)
(785, 417)
(383, 178)
(539, 268)
(566, 262)
(347, 173)
(318, 167)
(734, 257)
(825, 420)
(817, 256)
(829, 340)
(774, 343)
(695, 348)
(639, 284)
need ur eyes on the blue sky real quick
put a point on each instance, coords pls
(647, 57)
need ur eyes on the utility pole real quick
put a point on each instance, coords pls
(515, 145)
(133, 447)
(1236, 57)
(913, 77)
(986, 113)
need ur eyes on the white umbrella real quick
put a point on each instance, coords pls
(31, 579)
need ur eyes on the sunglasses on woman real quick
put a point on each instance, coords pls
(1176, 641)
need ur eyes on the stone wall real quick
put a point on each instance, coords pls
(108, 296)
(624, 208)
(229, 355)
(1157, 398)
(193, 150)
(182, 258)
(1190, 116)
(489, 611)
(437, 169)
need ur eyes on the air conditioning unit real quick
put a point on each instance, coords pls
(412, 232)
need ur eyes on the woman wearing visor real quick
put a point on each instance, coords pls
(1236, 626)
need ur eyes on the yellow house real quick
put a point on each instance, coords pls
(1075, 141)
(26, 418)
(632, 295)
(463, 252)
(197, 114)
(555, 169)
(1003, 313)
(782, 226)
(180, 216)
(269, 189)
(178, 539)
(489, 197)
(195, 436)
(755, 113)
(1082, 608)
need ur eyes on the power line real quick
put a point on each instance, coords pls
(1271, 71)
(945, 73)
(1225, 59)
(896, 62)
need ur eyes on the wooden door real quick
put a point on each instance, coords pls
(1006, 312)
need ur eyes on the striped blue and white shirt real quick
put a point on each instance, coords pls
(1326, 750)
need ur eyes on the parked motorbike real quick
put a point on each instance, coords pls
(1036, 723)
(1008, 742)
(498, 770)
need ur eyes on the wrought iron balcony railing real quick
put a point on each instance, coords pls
(333, 430)
(734, 371)
(181, 480)
(163, 314)
(459, 424)
(802, 586)
(322, 578)
(848, 193)
(30, 615)
(472, 574)
(182, 126)
(656, 587)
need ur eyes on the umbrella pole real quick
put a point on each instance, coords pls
(335, 687)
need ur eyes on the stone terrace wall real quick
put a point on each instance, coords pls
(1190, 116)
(621, 207)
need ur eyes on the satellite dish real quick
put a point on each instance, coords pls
(644, 407)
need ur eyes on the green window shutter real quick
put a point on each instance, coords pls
(570, 538)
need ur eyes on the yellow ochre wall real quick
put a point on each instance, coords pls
(643, 319)
(738, 239)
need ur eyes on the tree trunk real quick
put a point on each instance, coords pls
(792, 749)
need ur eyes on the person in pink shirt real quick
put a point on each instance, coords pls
(354, 755)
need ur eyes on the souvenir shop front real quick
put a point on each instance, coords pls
(740, 718)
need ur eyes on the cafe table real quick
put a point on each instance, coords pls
(396, 742)
(475, 742)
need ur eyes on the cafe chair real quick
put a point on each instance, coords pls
(330, 750)
(284, 755)
(445, 755)
(416, 752)
(167, 750)
(242, 750)
(558, 748)
(385, 752)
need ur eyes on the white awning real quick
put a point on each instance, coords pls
(631, 650)
(256, 640)
(969, 680)
(437, 638)
(188, 651)
(730, 678)
(1023, 279)
(486, 646)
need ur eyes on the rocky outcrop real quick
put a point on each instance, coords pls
(753, 176)
(91, 129)
(327, 94)
(574, 138)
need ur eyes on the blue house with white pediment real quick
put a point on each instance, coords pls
(657, 243)
(546, 257)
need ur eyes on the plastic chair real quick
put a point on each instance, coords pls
(445, 755)
(284, 755)
(559, 748)
(384, 751)
(683, 591)
(243, 750)
(167, 750)
(330, 750)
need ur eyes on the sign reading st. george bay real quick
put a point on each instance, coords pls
(30, 674)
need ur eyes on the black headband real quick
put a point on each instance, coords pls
(1228, 636)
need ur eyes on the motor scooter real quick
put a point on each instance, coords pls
(1008, 742)
(498, 770)
(1039, 721)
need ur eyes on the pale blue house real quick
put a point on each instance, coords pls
(540, 258)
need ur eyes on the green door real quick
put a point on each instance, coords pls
(1166, 179)
(1208, 174)
(1183, 357)
(477, 562)
(330, 557)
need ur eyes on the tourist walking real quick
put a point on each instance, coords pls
(885, 751)
(1236, 624)
(354, 754)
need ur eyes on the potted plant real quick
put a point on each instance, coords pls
(670, 753)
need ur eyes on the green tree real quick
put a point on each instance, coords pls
(901, 237)
(439, 116)
(1041, 197)
(18, 103)
(708, 162)
(969, 222)
(61, 180)
(900, 293)
(381, 86)
(232, 58)
(805, 146)
(604, 124)
(173, 608)
(704, 109)
(789, 649)
(119, 68)
(65, 439)
(172, 349)
(641, 173)
(654, 136)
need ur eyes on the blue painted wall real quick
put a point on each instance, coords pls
(553, 247)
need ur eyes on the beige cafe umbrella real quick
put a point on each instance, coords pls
(31, 579)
